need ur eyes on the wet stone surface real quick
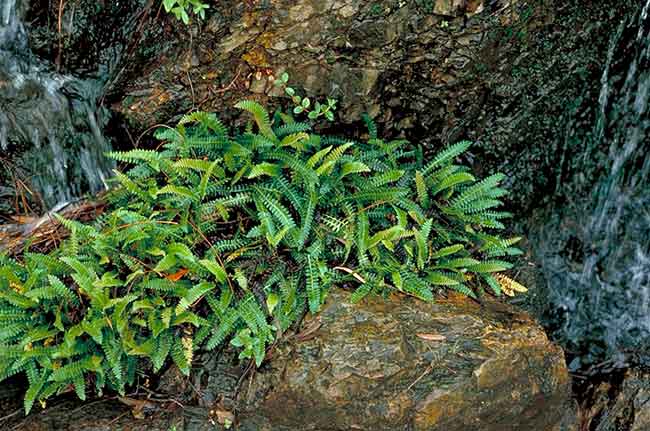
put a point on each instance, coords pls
(402, 364)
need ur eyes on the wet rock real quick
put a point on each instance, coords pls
(619, 405)
(384, 364)
(50, 124)
(400, 364)
(102, 415)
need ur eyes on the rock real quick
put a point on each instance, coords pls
(383, 364)
(448, 7)
(345, 49)
(400, 364)
(620, 405)
(496, 72)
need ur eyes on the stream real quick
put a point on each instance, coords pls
(56, 118)
(595, 252)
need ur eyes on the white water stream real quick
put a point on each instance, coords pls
(54, 115)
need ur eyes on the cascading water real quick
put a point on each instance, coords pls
(54, 115)
(596, 254)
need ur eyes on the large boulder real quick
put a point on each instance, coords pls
(384, 364)
(402, 364)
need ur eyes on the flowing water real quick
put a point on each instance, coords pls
(54, 116)
(595, 254)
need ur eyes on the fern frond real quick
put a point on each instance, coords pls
(134, 156)
(278, 210)
(225, 327)
(192, 296)
(179, 356)
(264, 168)
(452, 181)
(387, 177)
(446, 156)
(260, 115)
(332, 158)
(207, 120)
(509, 286)
(313, 287)
(477, 191)
(371, 125)
(131, 186)
(289, 129)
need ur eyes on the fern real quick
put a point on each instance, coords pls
(207, 120)
(260, 115)
(313, 288)
(134, 156)
(180, 357)
(192, 296)
(278, 210)
(446, 156)
(222, 235)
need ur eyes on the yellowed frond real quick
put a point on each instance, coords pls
(510, 286)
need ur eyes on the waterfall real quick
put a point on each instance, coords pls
(55, 117)
(601, 289)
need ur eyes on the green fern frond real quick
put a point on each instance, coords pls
(289, 129)
(387, 177)
(180, 357)
(260, 115)
(295, 140)
(421, 189)
(371, 125)
(181, 191)
(225, 327)
(361, 292)
(264, 168)
(489, 266)
(135, 156)
(477, 191)
(307, 175)
(207, 120)
(131, 186)
(463, 289)
(318, 156)
(332, 158)
(446, 156)
(313, 287)
(452, 181)
(278, 210)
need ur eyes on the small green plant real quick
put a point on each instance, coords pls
(303, 105)
(222, 234)
(252, 345)
(180, 8)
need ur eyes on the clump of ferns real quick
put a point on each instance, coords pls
(222, 236)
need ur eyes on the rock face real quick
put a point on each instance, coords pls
(508, 74)
(401, 364)
(348, 49)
